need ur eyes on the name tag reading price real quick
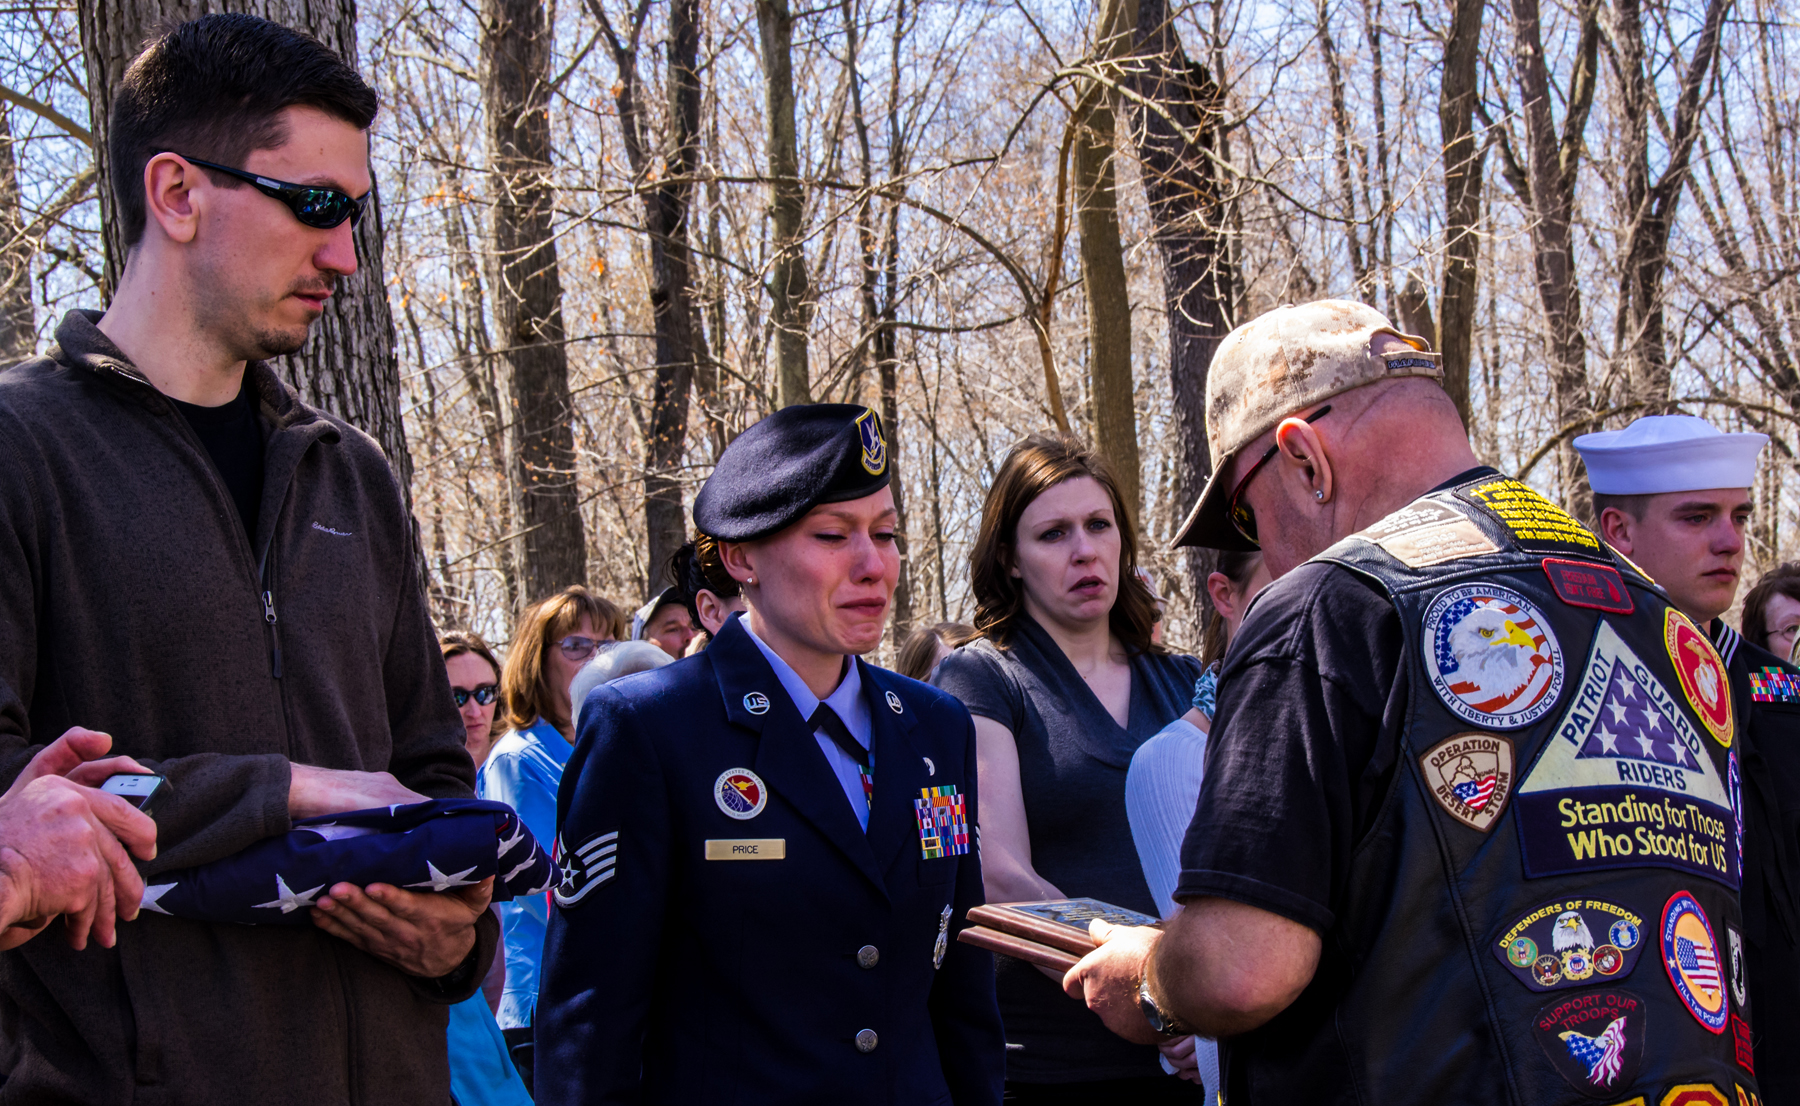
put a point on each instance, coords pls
(750, 848)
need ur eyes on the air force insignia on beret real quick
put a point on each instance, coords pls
(874, 446)
(586, 867)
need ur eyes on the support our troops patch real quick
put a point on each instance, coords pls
(1471, 777)
(1701, 672)
(1574, 942)
(1491, 656)
(1595, 1040)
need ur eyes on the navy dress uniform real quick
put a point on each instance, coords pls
(727, 930)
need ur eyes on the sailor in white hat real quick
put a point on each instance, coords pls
(1672, 492)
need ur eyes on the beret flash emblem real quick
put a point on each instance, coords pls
(874, 445)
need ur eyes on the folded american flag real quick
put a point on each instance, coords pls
(431, 846)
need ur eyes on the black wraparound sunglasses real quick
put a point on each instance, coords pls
(312, 204)
(484, 694)
(1242, 517)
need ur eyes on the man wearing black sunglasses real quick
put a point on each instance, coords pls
(1382, 893)
(172, 512)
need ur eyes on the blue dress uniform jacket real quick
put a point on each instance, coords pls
(672, 978)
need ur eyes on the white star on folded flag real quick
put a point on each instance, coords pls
(286, 900)
(438, 881)
(152, 892)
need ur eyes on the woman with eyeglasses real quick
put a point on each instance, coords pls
(475, 685)
(1065, 684)
(553, 640)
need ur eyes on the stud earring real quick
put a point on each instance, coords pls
(1319, 495)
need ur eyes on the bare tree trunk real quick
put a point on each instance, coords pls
(1546, 187)
(1464, 158)
(1103, 279)
(680, 343)
(350, 364)
(789, 293)
(1340, 152)
(18, 332)
(1190, 224)
(1650, 207)
(551, 549)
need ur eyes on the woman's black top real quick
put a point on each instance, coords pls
(1072, 763)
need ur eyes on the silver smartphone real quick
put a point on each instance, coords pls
(143, 791)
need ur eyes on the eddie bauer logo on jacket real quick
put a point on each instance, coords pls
(324, 529)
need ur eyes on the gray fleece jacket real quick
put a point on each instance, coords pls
(132, 602)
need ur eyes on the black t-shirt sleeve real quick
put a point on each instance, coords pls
(976, 675)
(1292, 766)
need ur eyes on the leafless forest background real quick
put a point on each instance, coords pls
(613, 233)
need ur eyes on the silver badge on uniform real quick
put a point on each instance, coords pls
(756, 703)
(894, 703)
(930, 768)
(943, 940)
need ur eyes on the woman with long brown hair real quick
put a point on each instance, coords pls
(1064, 684)
(552, 641)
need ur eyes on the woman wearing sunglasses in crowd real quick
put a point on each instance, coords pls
(475, 684)
(553, 640)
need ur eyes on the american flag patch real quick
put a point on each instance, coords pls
(1772, 685)
(1698, 962)
(943, 816)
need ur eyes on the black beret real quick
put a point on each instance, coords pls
(789, 463)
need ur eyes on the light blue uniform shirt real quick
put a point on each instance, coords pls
(523, 772)
(481, 1070)
(850, 705)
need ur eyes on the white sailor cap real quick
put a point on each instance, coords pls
(1669, 453)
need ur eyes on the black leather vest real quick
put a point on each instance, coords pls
(1546, 909)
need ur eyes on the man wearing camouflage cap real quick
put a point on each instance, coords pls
(1464, 834)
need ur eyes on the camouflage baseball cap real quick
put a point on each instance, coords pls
(1283, 363)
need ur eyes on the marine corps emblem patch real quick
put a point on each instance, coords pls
(874, 445)
(1492, 656)
(1702, 674)
(1471, 777)
(1594, 1040)
(1691, 955)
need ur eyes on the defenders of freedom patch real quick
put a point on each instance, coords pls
(1594, 1040)
(1492, 656)
(1581, 584)
(1702, 674)
(1626, 780)
(1427, 533)
(1691, 956)
(1538, 525)
(1572, 942)
(1471, 777)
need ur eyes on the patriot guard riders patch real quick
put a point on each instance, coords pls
(1427, 533)
(1625, 780)
(1571, 943)
(1538, 525)
(1583, 584)
(1471, 777)
(1702, 674)
(1691, 955)
(1594, 1040)
(1492, 656)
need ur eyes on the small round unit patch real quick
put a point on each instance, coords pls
(1702, 674)
(756, 703)
(1691, 955)
(1573, 942)
(740, 793)
(893, 702)
(1595, 1040)
(1471, 777)
(1492, 656)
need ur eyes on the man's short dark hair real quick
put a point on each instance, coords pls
(214, 88)
(1634, 505)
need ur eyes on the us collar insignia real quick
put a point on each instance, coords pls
(1492, 656)
(1691, 956)
(874, 446)
(1594, 1040)
(1702, 674)
(756, 703)
(1471, 777)
(943, 817)
(1428, 533)
(1773, 685)
(740, 793)
(1625, 780)
(1581, 584)
(1571, 942)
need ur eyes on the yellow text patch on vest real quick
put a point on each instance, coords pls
(748, 848)
(1538, 525)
